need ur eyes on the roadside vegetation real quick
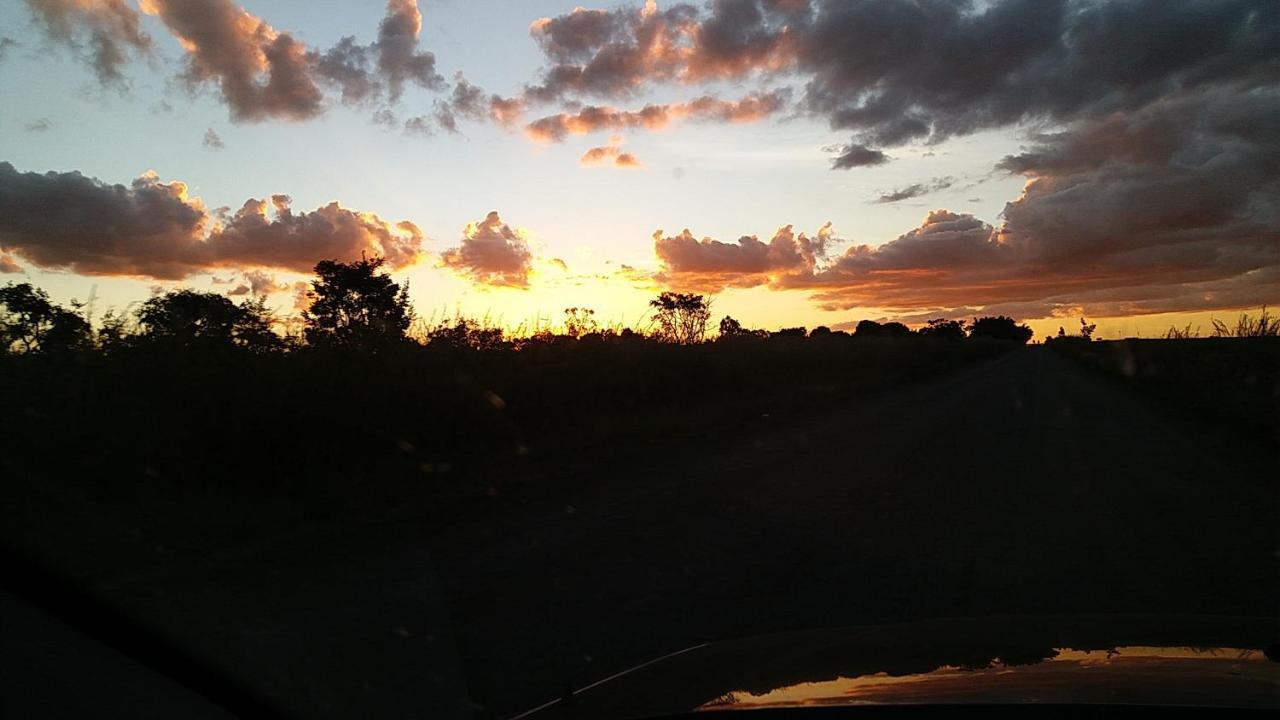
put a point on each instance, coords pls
(192, 420)
(1229, 378)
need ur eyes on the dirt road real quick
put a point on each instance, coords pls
(1024, 485)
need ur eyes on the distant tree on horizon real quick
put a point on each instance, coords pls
(681, 317)
(871, 328)
(730, 327)
(189, 318)
(943, 329)
(1000, 327)
(355, 304)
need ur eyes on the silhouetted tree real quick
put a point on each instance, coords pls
(730, 327)
(29, 322)
(999, 327)
(896, 329)
(681, 317)
(355, 304)
(191, 318)
(871, 328)
(1087, 330)
(868, 328)
(793, 332)
(942, 329)
(822, 331)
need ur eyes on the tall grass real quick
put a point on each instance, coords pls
(1247, 326)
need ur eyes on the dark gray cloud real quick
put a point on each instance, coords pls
(154, 229)
(896, 71)
(856, 155)
(101, 33)
(915, 190)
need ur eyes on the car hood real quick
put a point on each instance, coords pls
(1172, 661)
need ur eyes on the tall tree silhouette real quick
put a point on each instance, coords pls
(356, 304)
(29, 322)
(681, 318)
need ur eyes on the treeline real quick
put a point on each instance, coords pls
(356, 305)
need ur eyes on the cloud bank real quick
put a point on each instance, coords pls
(150, 228)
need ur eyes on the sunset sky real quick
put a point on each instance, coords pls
(806, 162)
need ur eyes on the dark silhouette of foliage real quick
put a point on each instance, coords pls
(30, 322)
(730, 327)
(871, 328)
(189, 318)
(579, 322)
(1087, 330)
(681, 318)
(942, 329)
(354, 304)
(467, 333)
(793, 332)
(822, 331)
(999, 327)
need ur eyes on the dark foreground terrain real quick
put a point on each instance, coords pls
(1024, 484)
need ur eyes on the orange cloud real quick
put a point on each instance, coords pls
(592, 118)
(610, 154)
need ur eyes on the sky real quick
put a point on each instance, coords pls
(803, 162)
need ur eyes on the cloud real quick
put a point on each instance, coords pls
(1171, 207)
(7, 44)
(154, 229)
(39, 125)
(616, 54)
(212, 140)
(855, 155)
(399, 60)
(262, 283)
(898, 71)
(592, 118)
(491, 253)
(100, 32)
(419, 125)
(915, 190)
(473, 103)
(9, 264)
(261, 73)
(611, 154)
(711, 265)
